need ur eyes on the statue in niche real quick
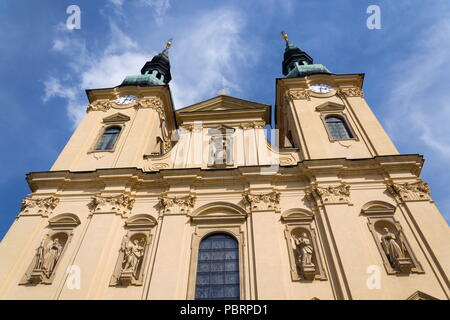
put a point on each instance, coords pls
(394, 249)
(305, 252)
(47, 256)
(133, 253)
(221, 146)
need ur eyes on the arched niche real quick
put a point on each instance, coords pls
(300, 224)
(51, 249)
(134, 251)
(391, 241)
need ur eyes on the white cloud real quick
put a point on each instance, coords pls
(419, 106)
(159, 7)
(208, 56)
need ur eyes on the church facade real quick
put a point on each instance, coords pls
(146, 202)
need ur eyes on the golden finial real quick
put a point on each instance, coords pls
(169, 43)
(285, 36)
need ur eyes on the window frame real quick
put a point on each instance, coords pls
(201, 233)
(347, 124)
(206, 237)
(102, 131)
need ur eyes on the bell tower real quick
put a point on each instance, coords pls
(325, 115)
(125, 124)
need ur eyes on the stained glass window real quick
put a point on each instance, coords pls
(218, 268)
(108, 139)
(338, 128)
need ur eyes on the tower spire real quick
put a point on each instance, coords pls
(155, 72)
(297, 63)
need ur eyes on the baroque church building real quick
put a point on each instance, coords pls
(145, 202)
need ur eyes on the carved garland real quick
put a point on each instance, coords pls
(176, 204)
(350, 92)
(330, 194)
(43, 205)
(121, 204)
(302, 94)
(415, 191)
(264, 201)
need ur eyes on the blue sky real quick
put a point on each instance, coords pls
(232, 45)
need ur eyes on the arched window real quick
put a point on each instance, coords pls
(338, 128)
(109, 138)
(218, 268)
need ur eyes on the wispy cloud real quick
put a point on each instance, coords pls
(208, 54)
(419, 105)
(159, 7)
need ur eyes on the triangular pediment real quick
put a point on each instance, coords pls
(330, 106)
(222, 103)
(419, 295)
(118, 117)
(224, 108)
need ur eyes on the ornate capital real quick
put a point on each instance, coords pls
(121, 204)
(175, 205)
(252, 125)
(301, 94)
(329, 195)
(263, 201)
(416, 191)
(351, 92)
(39, 206)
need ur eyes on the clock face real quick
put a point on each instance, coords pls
(126, 99)
(320, 88)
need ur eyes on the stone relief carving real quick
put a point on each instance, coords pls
(264, 201)
(133, 253)
(252, 125)
(46, 259)
(121, 204)
(410, 191)
(302, 94)
(351, 92)
(42, 206)
(330, 194)
(100, 105)
(305, 253)
(221, 147)
(176, 204)
(395, 250)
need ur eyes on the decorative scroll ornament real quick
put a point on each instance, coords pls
(330, 194)
(264, 201)
(176, 204)
(121, 204)
(351, 92)
(302, 94)
(146, 102)
(40, 206)
(153, 103)
(415, 191)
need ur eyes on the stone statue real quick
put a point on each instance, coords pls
(305, 250)
(305, 254)
(390, 246)
(133, 253)
(48, 256)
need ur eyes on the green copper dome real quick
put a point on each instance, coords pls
(297, 63)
